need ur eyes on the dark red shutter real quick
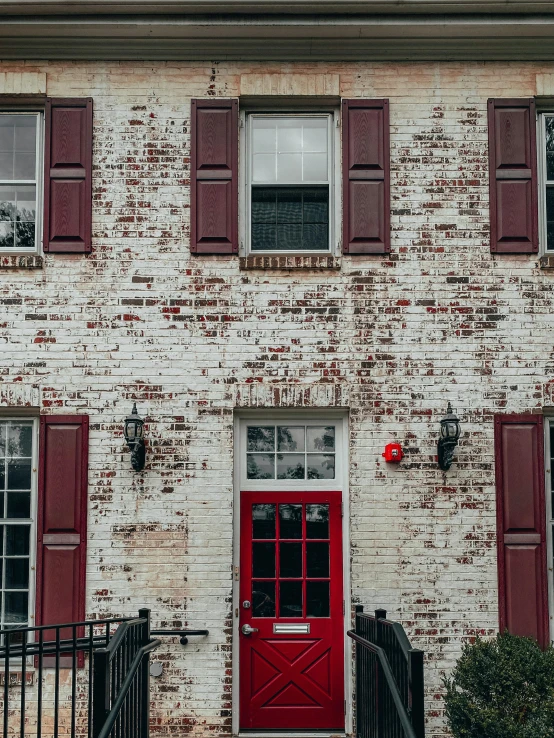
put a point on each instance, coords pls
(513, 176)
(521, 525)
(366, 177)
(68, 176)
(214, 176)
(62, 519)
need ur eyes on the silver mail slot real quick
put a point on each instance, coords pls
(291, 627)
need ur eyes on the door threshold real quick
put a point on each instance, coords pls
(289, 733)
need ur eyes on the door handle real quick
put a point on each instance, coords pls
(247, 629)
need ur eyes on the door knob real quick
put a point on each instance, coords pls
(247, 629)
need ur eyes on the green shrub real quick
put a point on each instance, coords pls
(503, 688)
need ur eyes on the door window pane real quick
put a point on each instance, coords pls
(263, 599)
(317, 559)
(317, 521)
(317, 599)
(291, 559)
(290, 599)
(290, 521)
(263, 521)
(263, 559)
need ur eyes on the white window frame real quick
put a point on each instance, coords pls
(245, 184)
(548, 488)
(38, 181)
(33, 512)
(296, 485)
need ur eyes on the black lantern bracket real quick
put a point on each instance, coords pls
(450, 433)
(134, 437)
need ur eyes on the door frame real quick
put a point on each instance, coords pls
(340, 418)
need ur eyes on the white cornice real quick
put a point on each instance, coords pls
(327, 36)
(99, 7)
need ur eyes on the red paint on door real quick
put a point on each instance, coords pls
(291, 577)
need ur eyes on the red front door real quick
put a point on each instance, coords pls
(291, 601)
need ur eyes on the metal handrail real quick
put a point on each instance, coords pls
(391, 682)
(181, 633)
(125, 686)
(120, 634)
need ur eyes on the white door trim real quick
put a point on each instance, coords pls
(339, 417)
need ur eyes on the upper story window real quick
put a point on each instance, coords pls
(17, 455)
(289, 183)
(19, 181)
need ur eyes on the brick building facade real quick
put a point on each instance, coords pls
(383, 341)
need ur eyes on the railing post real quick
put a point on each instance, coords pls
(380, 614)
(100, 690)
(145, 696)
(417, 692)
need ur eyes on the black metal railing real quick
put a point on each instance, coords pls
(121, 681)
(79, 680)
(389, 679)
(42, 692)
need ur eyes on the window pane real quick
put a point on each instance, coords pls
(291, 559)
(549, 148)
(289, 168)
(19, 505)
(317, 599)
(2, 478)
(317, 559)
(315, 135)
(16, 607)
(289, 135)
(290, 466)
(315, 168)
(263, 599)
(17, 574)
(290, 599)
(290, 438)
(289, 206)
(290, 519)
(290, 218)
(264, 205)
(17, 540)
(3, 427)
(264, 168)
(263, 521)
(321, 438)
(264, 237)
(19, 474)
(264, 136)
(17, 146)
(321, 466)
(263, 560)
(261, 438)
(17, 216)
(317, 521)
(549, 217)
(260, 466)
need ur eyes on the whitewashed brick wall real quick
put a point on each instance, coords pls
(192, 338)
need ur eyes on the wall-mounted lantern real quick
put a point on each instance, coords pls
(134, 436)
(450, 432)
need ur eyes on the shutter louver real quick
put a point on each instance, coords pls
(214, 176)
(513, 176)
(62, 519)
(521, 526)
(366, 176)
(68, 176)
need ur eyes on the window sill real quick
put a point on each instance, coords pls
(281, 261)
(21, 261)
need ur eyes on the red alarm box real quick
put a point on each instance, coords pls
(393, 453)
